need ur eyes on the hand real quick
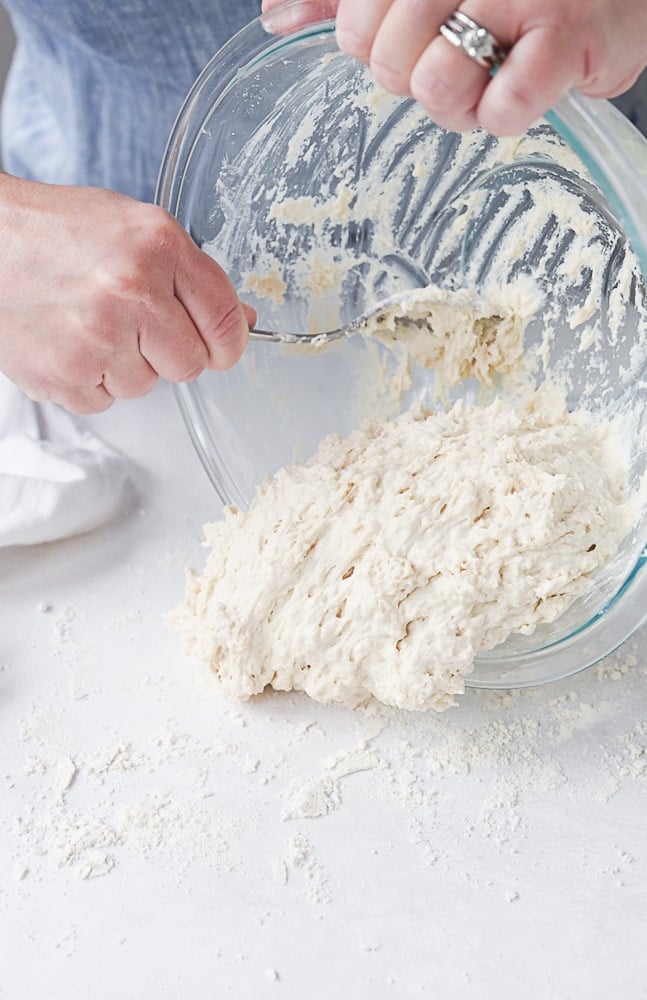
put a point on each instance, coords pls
(597, 47)
(100, 295)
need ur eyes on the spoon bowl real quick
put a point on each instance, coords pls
(392, 310)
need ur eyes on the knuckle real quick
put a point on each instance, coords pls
(431, 89)
(353, 43)
(144, 384)
(83, 407)
(188, 358)
(191, 375)
(227, 326)
(159, 228)
(187, 364)
(125, 283)
(127, 278)
(98, 337)
(40, 389)
(148, 382)
(149, 241)
(517, 96)
(395, 80)
(509, 112)
(218, 346)
(138, 387)
(85, 403)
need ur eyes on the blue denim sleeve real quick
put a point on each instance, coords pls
(94, 87)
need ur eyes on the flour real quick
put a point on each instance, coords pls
(353, 762)
(301, 856)
(308, 798)
(134, 796)
(312, 797)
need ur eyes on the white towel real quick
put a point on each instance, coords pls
(56, 477)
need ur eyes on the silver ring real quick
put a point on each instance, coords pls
(475, 40)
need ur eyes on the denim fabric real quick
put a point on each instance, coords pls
(96, 84)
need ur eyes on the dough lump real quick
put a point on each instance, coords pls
(381, 567)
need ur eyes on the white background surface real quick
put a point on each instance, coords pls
(497, 850)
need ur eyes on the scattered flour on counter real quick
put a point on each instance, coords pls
(279, 871)
(165, 796)
(301, 856)
(385, 564)
(354, 761)
(311, 797)
(160, 797)
(95, 864)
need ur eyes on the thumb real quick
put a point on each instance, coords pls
(210, 299)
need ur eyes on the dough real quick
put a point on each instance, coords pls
(459, 334)
(382, 566)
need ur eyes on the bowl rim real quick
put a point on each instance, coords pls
(598, 134)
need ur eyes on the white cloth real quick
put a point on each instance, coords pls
(56, 477)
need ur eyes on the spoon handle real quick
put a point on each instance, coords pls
(264, 335)
(294, 338)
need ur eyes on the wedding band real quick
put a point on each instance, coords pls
(475, 40)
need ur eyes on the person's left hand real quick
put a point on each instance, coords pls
(597, 47)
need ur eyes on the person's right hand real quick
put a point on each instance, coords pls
(101, 294)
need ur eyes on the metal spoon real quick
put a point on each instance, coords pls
(312, 339)
(317, 339)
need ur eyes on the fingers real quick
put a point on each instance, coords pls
(129, 378)
(552, 46)
(449, 85)
(170, 344)
(78, 399)
(408, 28)
(538, 70)
(281, 19)
(167, 344)
(211, 303)
(401, 41)
(358, 22)
(84, 401)
(125, 297)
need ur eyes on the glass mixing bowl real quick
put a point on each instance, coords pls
(321, 196)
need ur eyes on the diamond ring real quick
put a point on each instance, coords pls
(475, 40)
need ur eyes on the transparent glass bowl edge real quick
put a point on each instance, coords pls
(604, 153)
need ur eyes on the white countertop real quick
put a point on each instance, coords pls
(146, 846)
